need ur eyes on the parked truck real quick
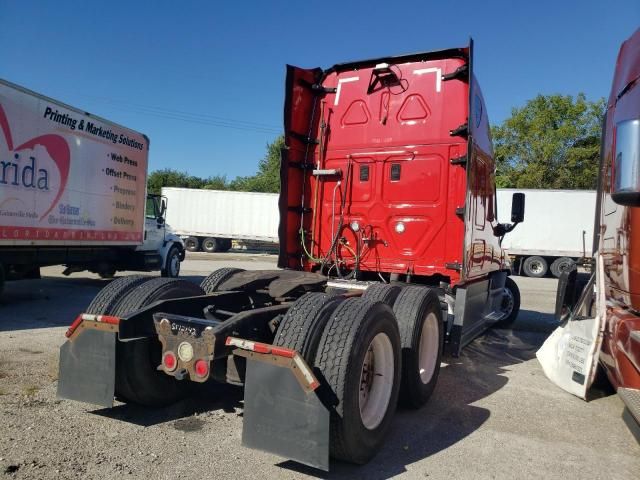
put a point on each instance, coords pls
(558, 234)
(72, 192)
(601, 315)
(211, 219)
(389, 250)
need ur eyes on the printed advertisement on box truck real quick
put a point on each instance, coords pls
(66, 176)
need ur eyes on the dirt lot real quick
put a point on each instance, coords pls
(493, 415)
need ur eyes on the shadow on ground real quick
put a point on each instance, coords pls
(50, 301)
(449, 416)
(209, 398)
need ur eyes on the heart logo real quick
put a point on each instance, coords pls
(56, 147)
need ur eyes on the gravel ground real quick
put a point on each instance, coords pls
(493, 415)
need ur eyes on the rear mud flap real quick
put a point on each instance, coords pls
(280, 417)
(87, 368)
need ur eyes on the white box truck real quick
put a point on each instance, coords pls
(210, 219)
(557, 233)
(72, 192)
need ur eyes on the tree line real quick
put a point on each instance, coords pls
(553, 141)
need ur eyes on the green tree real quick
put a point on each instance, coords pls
(168, 177)
(268, 177)
(551, 142)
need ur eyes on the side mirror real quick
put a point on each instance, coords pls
(517, 208)
(160, 221)
(626, 166)
(163, 207)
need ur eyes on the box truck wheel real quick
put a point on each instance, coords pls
(218, 277)
(359, 357)
(137, 360)
(510, 304)
(419, 316)
(382, 292)
(562, 264)
(192, 244)
(210, 245)
(303, 324)
(535, 267)
(172, 263)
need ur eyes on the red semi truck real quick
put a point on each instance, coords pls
(601, 320)
(389, 249)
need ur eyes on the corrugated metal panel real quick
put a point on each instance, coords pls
(553, 222)
(214, 213)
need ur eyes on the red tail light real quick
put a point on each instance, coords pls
(202, 368)
(169, 361)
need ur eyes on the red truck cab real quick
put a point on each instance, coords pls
(619, 221)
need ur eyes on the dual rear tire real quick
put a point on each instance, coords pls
(370, 351)
(137, 378)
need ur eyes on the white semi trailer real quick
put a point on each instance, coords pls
(73, 193)
(210, 219)
(557, 234)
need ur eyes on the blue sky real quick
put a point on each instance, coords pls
(220, 65)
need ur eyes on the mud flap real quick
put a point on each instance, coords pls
(87, 368)
(280, 417)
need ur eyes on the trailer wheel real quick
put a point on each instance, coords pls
(562, 264)
(382, 292)
(172, 263)
(419, 316)
(192, 244)
(210, 245)
(359, 357)
(137, 377)
(218, 277)
(224, 244)
(510, 304)
(302, 326)
(535, 267)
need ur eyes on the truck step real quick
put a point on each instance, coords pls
(631, 399)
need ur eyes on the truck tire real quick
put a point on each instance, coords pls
(216, 278)
(191, 244)
(105, 303)
(137, 378)
(382, 292)
(535, 267)
(419, 316)
(108, 298)
(303, 324)
(562, 264)
(359, 357)
(210, 245)
(510, 304)
(172, 263)
(224, 244)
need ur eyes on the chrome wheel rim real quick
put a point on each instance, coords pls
(428, 350)
(376, 381)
